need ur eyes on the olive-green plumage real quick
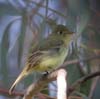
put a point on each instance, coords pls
(47, 54)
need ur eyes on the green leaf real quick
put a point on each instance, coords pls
(21, 37)
(4, 51)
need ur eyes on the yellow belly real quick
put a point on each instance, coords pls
(51, 62)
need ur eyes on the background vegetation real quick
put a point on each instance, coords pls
(24, 22)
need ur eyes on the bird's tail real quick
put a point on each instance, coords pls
(20, 77)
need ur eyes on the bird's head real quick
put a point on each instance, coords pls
(61, 32)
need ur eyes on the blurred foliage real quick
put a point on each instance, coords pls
(36, 19)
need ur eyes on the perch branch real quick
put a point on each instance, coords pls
(61, 84)
(6, 92)
(53, 75)
(34, 88)
(76, 61)
(81, 81)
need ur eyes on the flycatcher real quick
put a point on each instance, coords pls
(47, 54)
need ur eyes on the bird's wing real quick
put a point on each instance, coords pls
(46, 47)
(48, 44)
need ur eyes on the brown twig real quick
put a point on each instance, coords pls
(34, 88)
(52, 76)
(76, 61)
(45, 96)
(6, 92)
(60, 75)
(75, 97)
(81, 81)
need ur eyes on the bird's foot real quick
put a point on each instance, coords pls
(45, 73)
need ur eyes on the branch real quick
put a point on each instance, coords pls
(38, 86)
(51, 77)
(48, 79)
(6, 92)
(81, 81)
(34, 88)
(61, 84)
(76, 61)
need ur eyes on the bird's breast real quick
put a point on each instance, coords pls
(54, 60)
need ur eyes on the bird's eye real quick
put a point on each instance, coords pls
(59, 32)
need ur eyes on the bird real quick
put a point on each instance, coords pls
(47, 54)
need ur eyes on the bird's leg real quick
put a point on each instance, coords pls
(45, 73)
